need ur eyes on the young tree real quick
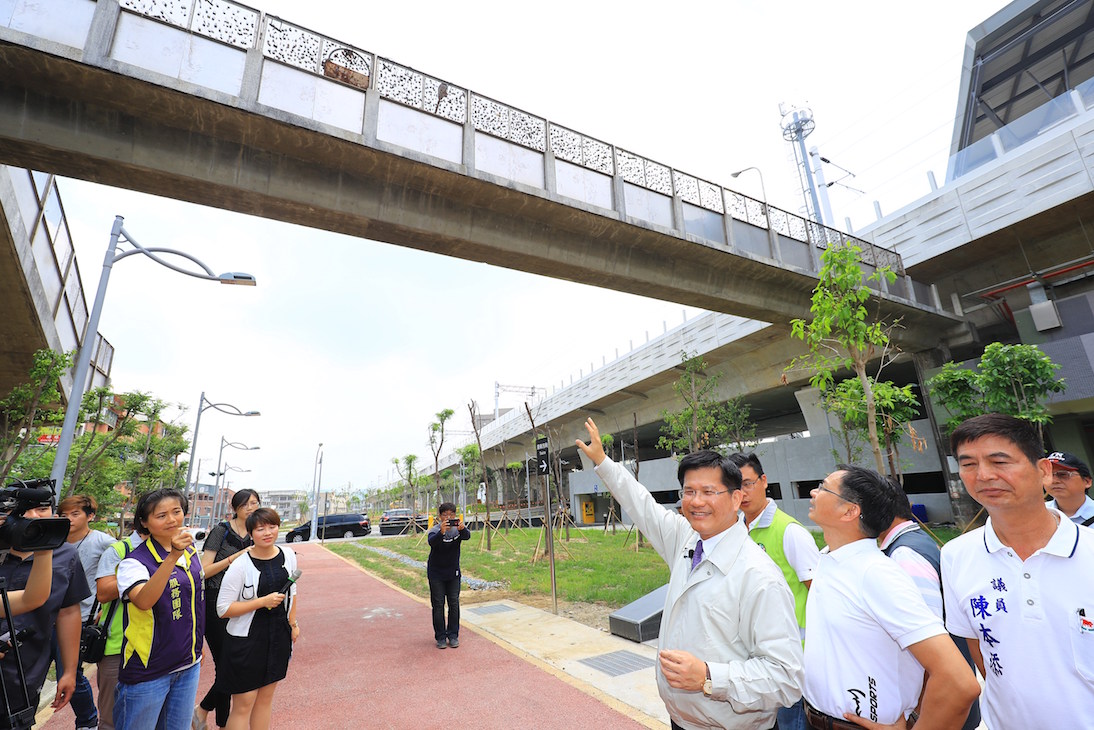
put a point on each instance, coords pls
(843, 333)
(28, 407)
(895, 406)
(1011, 379)
(406, 470)
(740, 429)
(473, 408)
(702, 423)
(436, 444)
(127, 412)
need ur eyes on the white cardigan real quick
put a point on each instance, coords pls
(241, 584)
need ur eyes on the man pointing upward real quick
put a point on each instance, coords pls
(730, 652)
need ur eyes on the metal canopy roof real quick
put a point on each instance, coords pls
(1020, 58)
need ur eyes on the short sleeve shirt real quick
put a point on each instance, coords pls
(1034, 620)
(91, 550)
(68, 588)
(863, 614)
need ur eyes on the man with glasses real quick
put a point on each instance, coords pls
(1070, 482)
(730, 651)
(1018, 589)
(871, 635)
(785, 541)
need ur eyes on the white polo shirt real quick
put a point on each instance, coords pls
(1038, 648)
(863, 613)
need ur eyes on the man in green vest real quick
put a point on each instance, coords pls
(790, 545)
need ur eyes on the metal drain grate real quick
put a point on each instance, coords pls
(618, 663)
(486, 610)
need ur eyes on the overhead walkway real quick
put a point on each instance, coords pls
(218, 104)
(41, 290)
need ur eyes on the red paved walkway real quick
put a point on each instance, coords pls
(366, 659)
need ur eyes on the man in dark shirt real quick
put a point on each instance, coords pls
(61, 609)
(443, 572)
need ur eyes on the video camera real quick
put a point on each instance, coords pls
(29, 535)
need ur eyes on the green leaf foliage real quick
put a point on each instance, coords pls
(1011, 379)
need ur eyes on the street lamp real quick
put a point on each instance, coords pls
(763, 191)
(316, 475)
(203, 405)
(219, 472)
(83, 361)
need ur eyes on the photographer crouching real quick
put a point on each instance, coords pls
(46, 583)
(443, 572)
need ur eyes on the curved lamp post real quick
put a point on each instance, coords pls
(83, 361)
(203, 405)
(220, 472)
(763, 190)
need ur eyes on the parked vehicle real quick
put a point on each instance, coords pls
(397, 521)
(350, 524)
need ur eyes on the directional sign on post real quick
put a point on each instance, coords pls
(542, 461)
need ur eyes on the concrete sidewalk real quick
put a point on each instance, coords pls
(366, 658)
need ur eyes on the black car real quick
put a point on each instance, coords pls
(397, 521)
(349, 524)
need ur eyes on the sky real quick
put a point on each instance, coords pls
(357, 345)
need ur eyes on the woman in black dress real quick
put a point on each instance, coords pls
(262, 623)
(225, 543)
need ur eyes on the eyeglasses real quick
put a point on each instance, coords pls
(837, 494)
(749, 483)
(706, 493)
(1064, 475)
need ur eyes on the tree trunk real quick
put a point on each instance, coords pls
(871, 416)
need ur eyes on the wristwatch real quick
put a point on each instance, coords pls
(708, 688)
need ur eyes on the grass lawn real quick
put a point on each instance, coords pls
(593, 567)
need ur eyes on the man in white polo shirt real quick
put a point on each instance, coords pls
(1019, 589)
(1068, 489)
(871, 635)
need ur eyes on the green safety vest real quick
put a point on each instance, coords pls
(114, 638)
(770, 538)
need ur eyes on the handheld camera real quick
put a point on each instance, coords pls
(454, 522)
(28, 535)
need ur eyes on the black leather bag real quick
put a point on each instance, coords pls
(93, 636)
(93, 642)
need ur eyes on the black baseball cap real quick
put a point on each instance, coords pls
(1069, 462)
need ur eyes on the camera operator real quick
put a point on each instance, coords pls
(443, 572)
(60, 609)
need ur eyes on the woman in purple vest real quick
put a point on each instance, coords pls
(160, 583)
(259, 600)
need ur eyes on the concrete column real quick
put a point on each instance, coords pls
(550, 179)
(909, 287)
(619, 197)
(101, 34)
(372, 115)
(252, 75)
(469, 145)
(727, 226)
(816, 418)
(678, 215)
